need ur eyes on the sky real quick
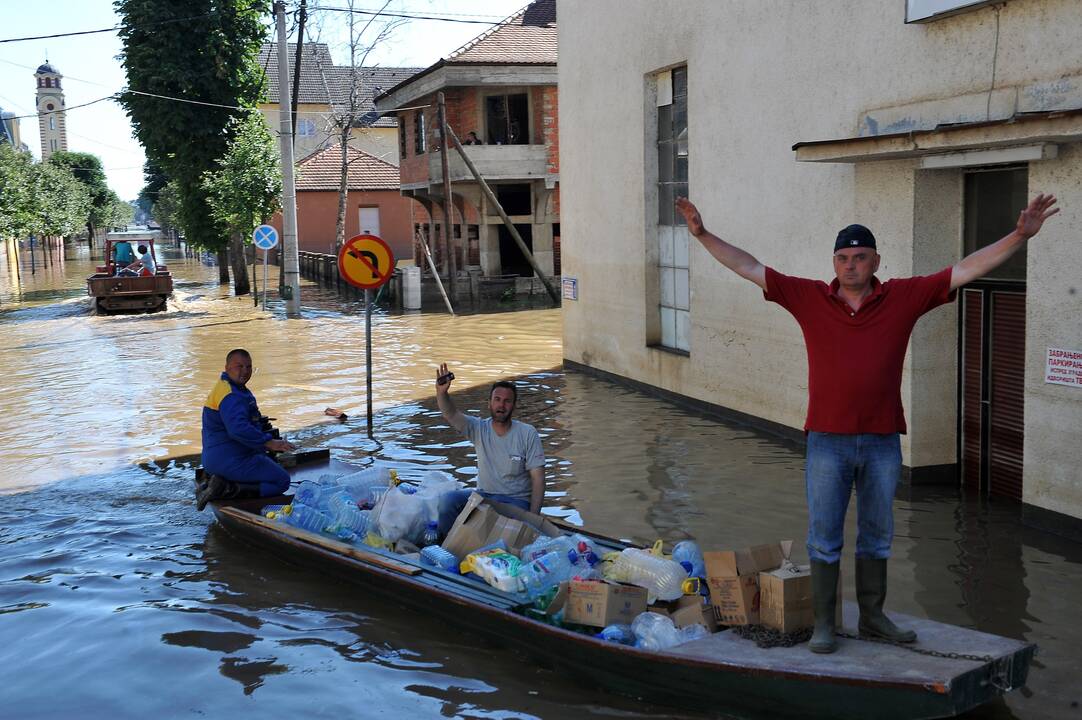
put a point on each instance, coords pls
(91, 69)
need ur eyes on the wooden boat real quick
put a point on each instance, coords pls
(112, 292)
(950, 670)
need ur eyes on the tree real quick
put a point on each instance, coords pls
(16, 193)
(206, 53)
(62, 202)
(39, 198)
(88, 170)
(245, 189)
(167, 206)
(347, 113)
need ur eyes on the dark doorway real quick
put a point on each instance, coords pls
(515, 199)
(993, 341)
(507, 119)
(512, 261)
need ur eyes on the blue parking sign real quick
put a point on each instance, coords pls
(265, 237)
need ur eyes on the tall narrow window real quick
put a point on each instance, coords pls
(401, 137)
(419, 133)
(672, 182)
(52, 122)
(507, 119)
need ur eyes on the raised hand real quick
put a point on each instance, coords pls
(1032, 218)
(446, 376)
(691, 216)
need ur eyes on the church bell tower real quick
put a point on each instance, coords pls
(51, 122)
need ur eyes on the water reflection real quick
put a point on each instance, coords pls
(111, 581)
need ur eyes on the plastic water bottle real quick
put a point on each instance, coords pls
(431, 535)
(654, 631)
(543, 573)
(308, 518)
(436, 556)
(344, 513)
(663, 579)
(313, 494)
(692, 632)
(618, 634)
(687, 553)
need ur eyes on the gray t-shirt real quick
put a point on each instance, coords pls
(504, 463)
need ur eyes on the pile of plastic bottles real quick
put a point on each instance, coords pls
(549, 561)
(662, 578)
(331, 506)
(654, 631)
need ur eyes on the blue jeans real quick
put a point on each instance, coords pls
(873, 463)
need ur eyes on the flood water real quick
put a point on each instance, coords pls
(118, 599)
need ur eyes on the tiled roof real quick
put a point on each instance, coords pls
(371, 81)
(316, 63)
(528, 36)
(322, 170)
(313, 55)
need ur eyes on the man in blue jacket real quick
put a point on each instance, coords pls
(235, 444)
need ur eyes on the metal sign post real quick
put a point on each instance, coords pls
(366, 262)
(265, 237)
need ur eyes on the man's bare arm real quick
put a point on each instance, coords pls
(447, 406)
(739, 261)
(537, 489)
(988, 258)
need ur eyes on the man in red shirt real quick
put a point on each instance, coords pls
(856, 330)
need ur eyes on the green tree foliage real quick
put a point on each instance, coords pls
(16, 193)
(243, 191)
(211, 59)
(88, 170)
(166, 208)
(39, 198)
(154, 179)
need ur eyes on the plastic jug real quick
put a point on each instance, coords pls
(663, 579)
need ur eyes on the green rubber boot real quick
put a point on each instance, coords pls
(824, 601)
(871, 592)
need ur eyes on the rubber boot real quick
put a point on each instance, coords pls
(824, 578)
(871, 593)
(218, 488)
(208, 490)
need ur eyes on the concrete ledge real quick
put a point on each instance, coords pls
(791, 435)
(1052, 522)
(931, 475)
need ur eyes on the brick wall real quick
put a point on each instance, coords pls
(550, 126)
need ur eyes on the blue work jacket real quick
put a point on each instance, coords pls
(231, 428)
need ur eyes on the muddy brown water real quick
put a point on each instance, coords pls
(118, 599)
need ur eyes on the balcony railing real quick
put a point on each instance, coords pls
(494, 162)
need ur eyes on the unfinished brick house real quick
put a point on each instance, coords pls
(501, 86)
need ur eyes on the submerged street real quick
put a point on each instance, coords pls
(116, 594)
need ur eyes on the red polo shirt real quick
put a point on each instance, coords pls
(855, 357)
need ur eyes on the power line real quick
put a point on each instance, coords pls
(104, 30)
(64, 109)
(406, 16)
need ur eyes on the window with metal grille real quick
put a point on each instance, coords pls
(672, 182)
(419, 134)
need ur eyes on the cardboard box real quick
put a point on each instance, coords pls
(785, 598)
(483, 522)
(691, 610)
(602, 603)
(733, 578)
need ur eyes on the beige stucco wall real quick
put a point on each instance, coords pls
(381, 142)
(763, 75)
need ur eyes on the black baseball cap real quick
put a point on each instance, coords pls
(854, 236)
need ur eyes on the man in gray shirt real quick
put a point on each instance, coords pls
(510, 462)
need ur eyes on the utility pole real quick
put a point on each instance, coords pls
(291, 288)
(448, 234)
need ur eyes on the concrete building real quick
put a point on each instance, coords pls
(9, 130)
(930, 121)
(325, 91)
(502, 87)
(373, 203)
(52, 125)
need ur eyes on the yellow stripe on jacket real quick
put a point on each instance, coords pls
(217, 394)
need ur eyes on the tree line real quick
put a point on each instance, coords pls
(58, 197)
